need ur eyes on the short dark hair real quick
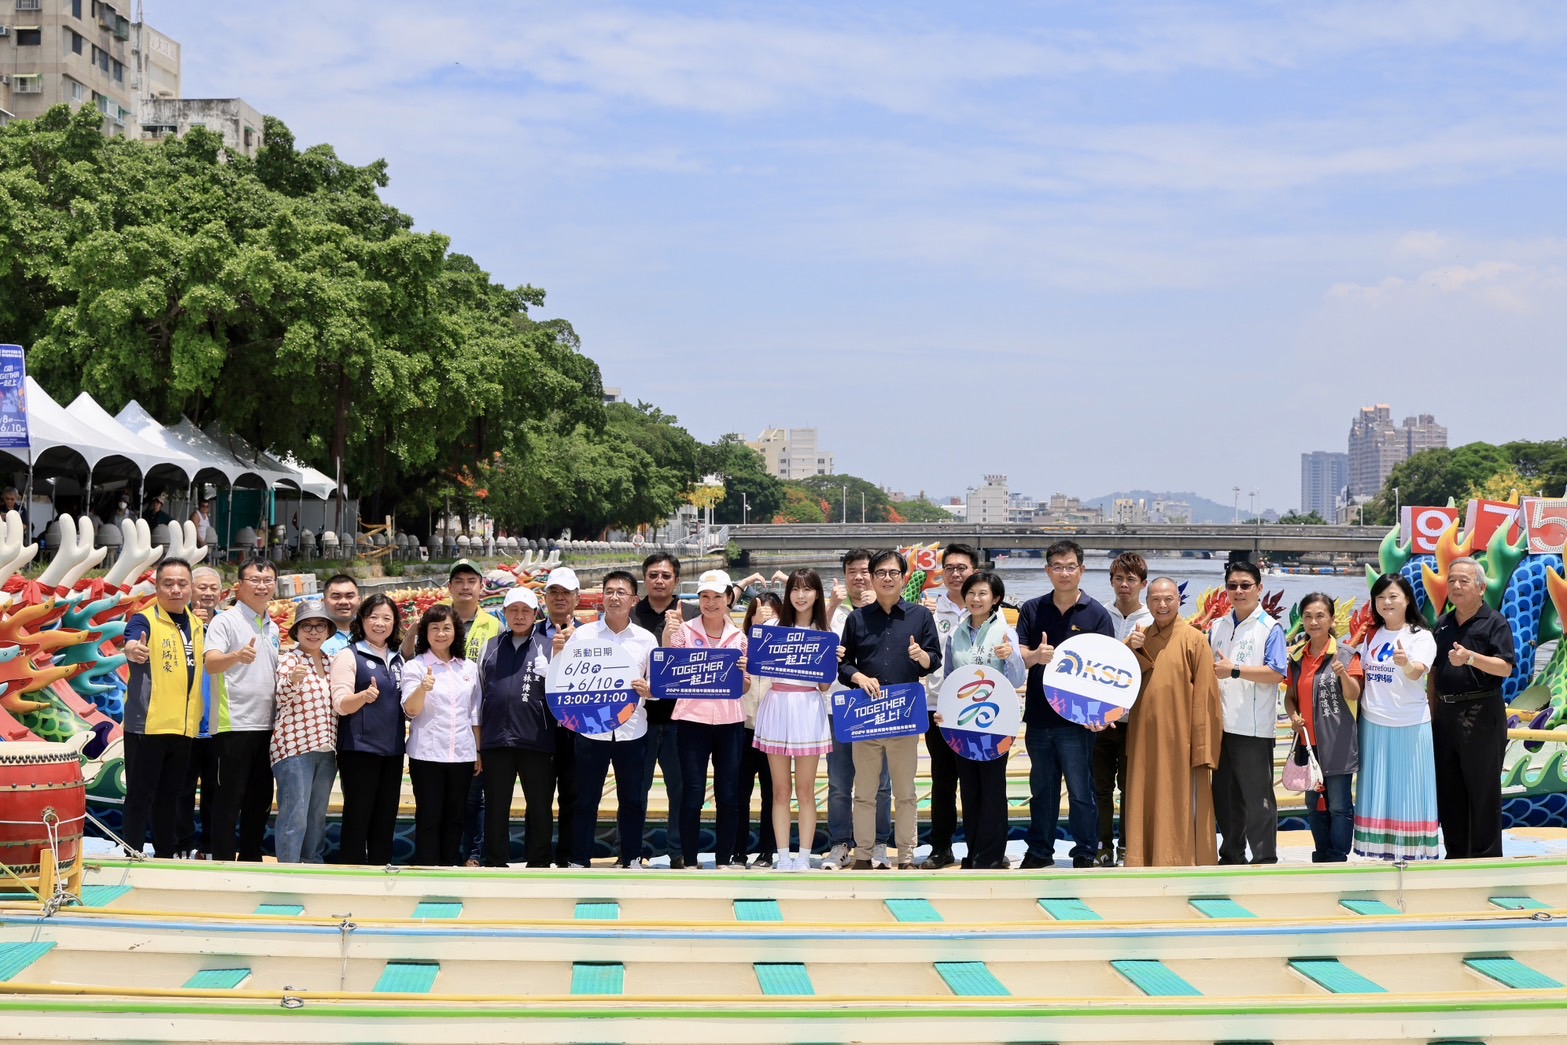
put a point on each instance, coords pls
(1071, 548)
(356, 629)
(1318, 597)
(434, 615)
(892, 556)
(168, 563)
(339, 578)
(1132, 563)
(658, 557)
(258, 563)
(1245, 566)
(998, 587)
(856, 555)
(621, 575)
(968, 551)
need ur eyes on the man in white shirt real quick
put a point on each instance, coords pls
(1128, 578)
(625, 747)
(1251, 661)
(241, 659)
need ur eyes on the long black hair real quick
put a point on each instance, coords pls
(1386, 581)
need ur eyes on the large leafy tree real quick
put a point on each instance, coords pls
(749, 491)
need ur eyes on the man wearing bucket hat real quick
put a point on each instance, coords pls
(516, 735)
(304, 738)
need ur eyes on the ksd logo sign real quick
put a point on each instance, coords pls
(1092, 680)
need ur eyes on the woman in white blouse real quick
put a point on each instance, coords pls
(440, 690)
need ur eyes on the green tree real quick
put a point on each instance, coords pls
(749, 491)
(852, 494)
(1311, 518)
(922, 510)
(799, 506)
(1434, 476)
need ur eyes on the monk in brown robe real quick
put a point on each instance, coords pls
(1172, 742)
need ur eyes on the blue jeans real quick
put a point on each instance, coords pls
(593, 759)
(1331, 814)
(698, 742)
(840, 801)
(304, 783)
(1054, 753)
(663, 752)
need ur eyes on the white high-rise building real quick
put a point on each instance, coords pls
(988, 503)
(792, 453)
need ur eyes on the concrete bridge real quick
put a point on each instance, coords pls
(1253, 540)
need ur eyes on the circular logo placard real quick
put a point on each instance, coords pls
(1092, 680)
(980, 712)
(588, 688)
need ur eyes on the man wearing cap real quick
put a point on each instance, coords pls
(242, 658)
(464, 584)
(660, 611)
(561, 595)
(516, 735)
(156, 516)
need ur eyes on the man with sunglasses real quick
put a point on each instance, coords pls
(1251, 659)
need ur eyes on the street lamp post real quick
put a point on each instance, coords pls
(1254, 505)
(1395, 506)
(845, 504)
(745, 509)
(1236, 521)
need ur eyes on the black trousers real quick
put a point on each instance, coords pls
(440, 793)
(503, 767)
(1468, 740)
(1110, 777)
(594, 757)
(566, 795)
(754, 771)
(372, 789)
(154, 773)
(984, 787)
(1243, 801)
(201, 781)
(943, 788)
(244, 793)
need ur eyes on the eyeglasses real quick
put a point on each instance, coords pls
(616, 593)
(262, 581)
(1237, 586)
(1063, 567)
(958, 567)
(315, 625)
(887, 575)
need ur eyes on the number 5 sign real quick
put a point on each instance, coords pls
(1423, 527)
(1547, 522)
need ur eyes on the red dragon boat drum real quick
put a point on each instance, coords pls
(43, 800)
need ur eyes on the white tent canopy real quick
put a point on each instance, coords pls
(317, 483)
(264, 463)
(201, 446)
(147, 455)
(50, 426)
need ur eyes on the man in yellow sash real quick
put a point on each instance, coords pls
(163, 707)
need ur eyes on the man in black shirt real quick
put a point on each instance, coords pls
(659, 611)
(1474, 653)
(887, 643)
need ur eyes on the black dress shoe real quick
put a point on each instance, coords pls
(676, 862)
(939, 859)
(1078, 861)
(1030, 862)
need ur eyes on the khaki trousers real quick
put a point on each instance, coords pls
(902, 753)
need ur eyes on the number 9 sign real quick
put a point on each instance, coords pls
(1423, 527)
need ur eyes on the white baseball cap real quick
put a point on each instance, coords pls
(713, 580)
(563, 577)
(521, 595)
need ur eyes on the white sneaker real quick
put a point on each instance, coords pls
(879, 860)
(782, 860)
(801, 862)
(837, 859)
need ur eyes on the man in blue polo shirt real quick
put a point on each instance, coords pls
(1058, 748)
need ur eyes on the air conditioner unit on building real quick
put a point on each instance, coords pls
(5, 30)
(5, 81)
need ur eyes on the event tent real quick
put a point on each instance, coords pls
(88, 413)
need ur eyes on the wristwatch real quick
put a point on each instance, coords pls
(1235, 673)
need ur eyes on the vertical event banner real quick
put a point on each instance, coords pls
(1092, 680)
(1422, 526)
(13, 398)
(898, 712)
(792, 654)
(695, 674)
(980, 713)
(588, 688)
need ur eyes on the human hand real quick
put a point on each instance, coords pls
(564, 635)
(297, 673)
(867, 597)
(247, 652)
(1401, 658)
(136, 652)
(640, 687)
(1458, 656)
(370, 692)
(1138, 637)
(871, 686)
(1004, 651)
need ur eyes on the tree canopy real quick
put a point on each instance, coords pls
(1472, 470)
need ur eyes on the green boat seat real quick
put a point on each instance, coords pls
(290, 910)
(971, 979)
(1510, 972)
(1519, 903)
(1368, 907)
(102, 895)
(217, 979)
(758, 911)
(1334, 976)
(1155, 979)
(438, 909)
(407, 977)
(1219, 907)
(598, 978)
(913, 910)
(598, 910)
(16, 957)
(783, 978)
(1068, 909)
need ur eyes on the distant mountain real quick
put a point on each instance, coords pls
(1203, 510)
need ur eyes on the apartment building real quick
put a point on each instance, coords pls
(792, 453)
(67, 52)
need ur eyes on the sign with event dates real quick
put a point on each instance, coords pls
(588, 688)
(695, 674)
(793, 654)
(898, 711)
(980, 713)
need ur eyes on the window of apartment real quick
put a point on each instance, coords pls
(78, 92)
(30, 83)
(77, 42)
(103, 60)
(119, 71)
(29, 5)
(76, 8)
(29, 36)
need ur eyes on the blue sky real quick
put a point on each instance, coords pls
(1091, 246)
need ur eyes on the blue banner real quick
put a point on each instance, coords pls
(13, 398)
(695, 674)
(794, 654)
(589, 686)
(898, 712)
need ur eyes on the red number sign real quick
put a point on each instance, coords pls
(1547, 522)
(1484, 518)
(1422, 527)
